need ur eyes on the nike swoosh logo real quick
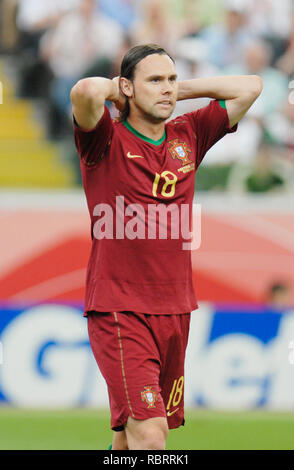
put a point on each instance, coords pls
(129, 155)
(170, 413)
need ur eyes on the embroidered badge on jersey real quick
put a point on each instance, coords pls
(180, 150)
(150, 396)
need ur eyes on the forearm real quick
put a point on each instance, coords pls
(220, 88)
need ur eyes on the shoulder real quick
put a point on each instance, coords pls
(179, 121)
(104, 129)
(183, 120)
(118, 125)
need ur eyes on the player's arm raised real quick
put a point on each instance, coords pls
(88, 98)
(239, 92)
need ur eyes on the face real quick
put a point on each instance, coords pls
(153, 92)
(257, 58)
(234, 21)
(87, 7)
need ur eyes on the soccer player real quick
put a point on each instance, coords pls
(138, 175)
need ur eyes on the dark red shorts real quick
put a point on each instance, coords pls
(142, 360)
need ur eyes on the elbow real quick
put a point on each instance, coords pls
(78, 92)
(256, 86)
(253, 88)
(84, 91)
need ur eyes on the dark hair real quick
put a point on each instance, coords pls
(131, 59)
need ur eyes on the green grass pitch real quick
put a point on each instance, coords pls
(89, 429)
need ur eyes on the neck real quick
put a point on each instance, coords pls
(152, 130)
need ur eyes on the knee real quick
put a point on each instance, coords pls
(153, 437)
(148, 434)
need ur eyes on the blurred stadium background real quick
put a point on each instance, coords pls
(240, 360)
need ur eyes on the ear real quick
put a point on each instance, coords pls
(126, 87)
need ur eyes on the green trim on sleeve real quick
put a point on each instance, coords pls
(222, 104)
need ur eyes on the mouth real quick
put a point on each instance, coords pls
(165, 103)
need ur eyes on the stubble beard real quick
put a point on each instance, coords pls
(153, 116)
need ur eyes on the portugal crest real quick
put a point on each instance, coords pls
(179, 150)
(150, 396)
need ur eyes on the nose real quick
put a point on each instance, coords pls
(167, 87)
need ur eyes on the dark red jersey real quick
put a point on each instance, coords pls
(140, 194)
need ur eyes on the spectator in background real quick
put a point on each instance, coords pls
(208, 12)
(286, 62)
(122, 11)
(191, 62)
(186, 15)
(244, 147)
(227, 37)
(226, 42)
(81, 38)
(8, 30)
(194, 15)
(280, 128)
(34, 18)
(271, 20)
(258, 55)
(156, 26)
(264, 172)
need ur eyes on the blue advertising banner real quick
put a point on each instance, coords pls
(236, 358)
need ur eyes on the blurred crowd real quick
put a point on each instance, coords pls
(55, 43)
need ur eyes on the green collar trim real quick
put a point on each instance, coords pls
(143, 137)
(222, 104)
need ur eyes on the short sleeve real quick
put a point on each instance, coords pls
(210, 124)
(92, 144)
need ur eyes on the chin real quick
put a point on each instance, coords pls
(164, 116)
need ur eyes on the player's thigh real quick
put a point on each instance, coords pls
(129, 360)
